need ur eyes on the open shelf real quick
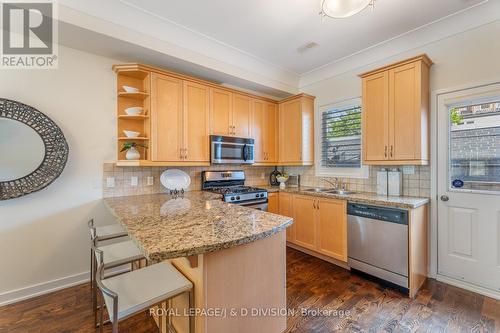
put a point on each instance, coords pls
(133, 139)
(147, 163)
(133, 117)
(140, 95)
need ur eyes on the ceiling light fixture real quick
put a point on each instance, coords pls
(343, 8)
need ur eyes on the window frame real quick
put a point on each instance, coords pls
(320, 171)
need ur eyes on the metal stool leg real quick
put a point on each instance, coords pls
(191, 311)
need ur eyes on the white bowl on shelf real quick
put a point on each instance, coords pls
(131, 134)
(130, 89)
(134, 111)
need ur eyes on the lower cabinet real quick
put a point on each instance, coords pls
(285, 209)
(331, 221)
(319, 224)
(273, 203)
(304, 215)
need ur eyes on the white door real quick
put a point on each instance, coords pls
(469, 187)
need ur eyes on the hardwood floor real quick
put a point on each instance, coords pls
(313, 284)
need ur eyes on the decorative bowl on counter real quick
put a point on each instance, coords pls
(131, 134)
(130, 89)
(282, 179)
(134, 111)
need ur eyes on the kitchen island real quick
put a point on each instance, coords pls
(235, 256)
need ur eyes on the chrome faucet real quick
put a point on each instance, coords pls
(338, 184)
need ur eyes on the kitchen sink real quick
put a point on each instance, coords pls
(318, 190)
(329, 190)
(340, 192)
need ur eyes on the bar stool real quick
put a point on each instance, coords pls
(117, 254)
(131, 293)
(102, 233)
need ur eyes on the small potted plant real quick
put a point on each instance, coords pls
(131, 149)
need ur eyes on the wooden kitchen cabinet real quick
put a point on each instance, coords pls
(273, 203)
(179, 113)
(179, 120)
(304, 214)
(221, 107)
(196, 126)
(332, 228)
(320, 226)
(166, 118)
(241, 116)
(395, 115)
(286, 209)
(264, 123)
(296, 130)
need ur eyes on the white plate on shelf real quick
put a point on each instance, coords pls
(175, 179)
(130, 89)
(133, 111)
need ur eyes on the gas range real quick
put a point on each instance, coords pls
(231, 185)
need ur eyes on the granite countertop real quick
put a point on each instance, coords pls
(165, 227)
(359, 197)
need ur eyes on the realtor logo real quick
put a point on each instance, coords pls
(28, 35)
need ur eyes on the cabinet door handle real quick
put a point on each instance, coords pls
(180, 154)
(392, 148)
(385, 152)
(185, 153)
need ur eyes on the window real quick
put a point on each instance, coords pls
(339, 140)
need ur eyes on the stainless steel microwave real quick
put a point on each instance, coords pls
(231, 150)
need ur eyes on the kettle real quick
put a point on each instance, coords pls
(272, 177)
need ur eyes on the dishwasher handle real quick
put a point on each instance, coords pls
(378, 213)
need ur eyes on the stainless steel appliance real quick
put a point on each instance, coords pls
(231, 150)
(378, 242)
(231, 184)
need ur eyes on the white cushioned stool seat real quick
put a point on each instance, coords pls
(144, 288)
(110, 231)
(119, 253)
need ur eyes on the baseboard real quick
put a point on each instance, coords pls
(43, 288)
(21, 294)
(469, 286)
(318, 255)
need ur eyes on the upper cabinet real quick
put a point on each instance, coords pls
(221, 108)
(296, 130)
(178, 114)
(396, 113)
(264, 130)
(229, 113)
(179, 120)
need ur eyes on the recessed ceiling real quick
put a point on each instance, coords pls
(277, 30)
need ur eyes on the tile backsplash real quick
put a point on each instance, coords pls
(417, 184)
(123, 178)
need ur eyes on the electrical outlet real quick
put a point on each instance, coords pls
(262, 175)
(134, 181)
(110, 182)
(408, 170)
(150, 181)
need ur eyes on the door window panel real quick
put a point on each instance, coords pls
(475, 146)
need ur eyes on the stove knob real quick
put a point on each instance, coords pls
(257, 195)
(232, 198)
(262, 195)
(238, 197)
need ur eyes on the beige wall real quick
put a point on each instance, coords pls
(43, 236)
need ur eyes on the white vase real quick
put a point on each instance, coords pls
(132, 154)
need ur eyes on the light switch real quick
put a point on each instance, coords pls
(110, 182)
(150, 181)
(134, 181)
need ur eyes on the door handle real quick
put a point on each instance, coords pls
(385, 152)
(392, 148)
(445, 198)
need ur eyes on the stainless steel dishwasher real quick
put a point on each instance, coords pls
(378, 242)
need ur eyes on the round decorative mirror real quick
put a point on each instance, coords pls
(33, 150)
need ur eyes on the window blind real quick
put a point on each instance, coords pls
(341, 138)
